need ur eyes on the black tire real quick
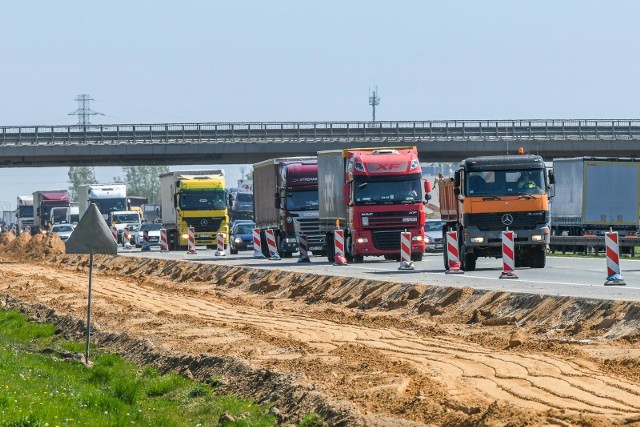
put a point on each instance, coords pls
(445, 258)
(358, 259)
(468, 259)
(539, 257)
(280, 245)
(416, 256)
(264, 246)
(233, 251)
(330, 248)
(389, 257)
(348, 250)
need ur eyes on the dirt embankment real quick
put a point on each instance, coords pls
(357, 352)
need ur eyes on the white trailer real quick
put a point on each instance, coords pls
(107, 197)
(593, 195)
(24, 212)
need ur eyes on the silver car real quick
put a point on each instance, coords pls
(433, 235)
(153, 231)
(62, 230)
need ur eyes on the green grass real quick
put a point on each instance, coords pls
(38, 389)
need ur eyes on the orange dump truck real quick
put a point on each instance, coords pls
(491, 194)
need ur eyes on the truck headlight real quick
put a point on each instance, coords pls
(237, 240)
(477, 240)
(362, 240)
(417, 238)
(537, 238)
(427, 239)
(185, 236)
(290, 240)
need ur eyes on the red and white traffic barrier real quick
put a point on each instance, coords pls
(192, 240)
(114, 233)
(271, 244)
(304, 251)
(613, 259)
(164, 245)
(453, 253)
(220, 249)
(405, 251)
(508, 256)
(257, 244)
(338, 244)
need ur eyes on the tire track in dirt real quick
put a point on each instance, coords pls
(469, 371)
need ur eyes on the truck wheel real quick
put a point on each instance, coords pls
(416, 256)
(331, 251)
(539, 257)
(358, 259)
(445, 257)
(468, 259)
(280, 245)
(264, 246)
(233, 251)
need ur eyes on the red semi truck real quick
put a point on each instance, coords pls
(43, 202)
(285, 199)
(373, 194)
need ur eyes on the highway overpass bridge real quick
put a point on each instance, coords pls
(245, 143)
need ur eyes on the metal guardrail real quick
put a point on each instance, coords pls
(410, 131)
(591, 241)
(592, 244)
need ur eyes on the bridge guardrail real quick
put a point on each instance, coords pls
(272, 131)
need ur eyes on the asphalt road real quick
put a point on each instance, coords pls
(563, 276)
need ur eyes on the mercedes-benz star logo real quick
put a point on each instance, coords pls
(507, 219)
(204, 222)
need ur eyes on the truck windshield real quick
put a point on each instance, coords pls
(302, 200)
(387, 192)
(505, 183)
(195, 200)
(58, 215)
(25, 211)
(125, 218)
(106, 206)
(245, 198)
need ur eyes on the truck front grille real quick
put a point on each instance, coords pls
(387, 240)
(513, 220)
(310, 227)
(204, 224)
(392, 219)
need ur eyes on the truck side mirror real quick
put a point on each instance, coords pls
(456, 191)
(552, 177)
(175, 200)
(457, 177)
(346, 189)
(277, 199)
(427, 186)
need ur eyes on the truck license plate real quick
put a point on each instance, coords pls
(204, 236)
(315, 248)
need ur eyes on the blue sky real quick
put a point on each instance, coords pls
(204, 61)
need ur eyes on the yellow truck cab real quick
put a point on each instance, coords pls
(194, 199)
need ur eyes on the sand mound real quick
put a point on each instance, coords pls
(38, 247)
(6, 238)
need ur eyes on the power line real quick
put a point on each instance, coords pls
(84, 111)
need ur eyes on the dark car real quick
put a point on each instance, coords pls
(241, 237)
